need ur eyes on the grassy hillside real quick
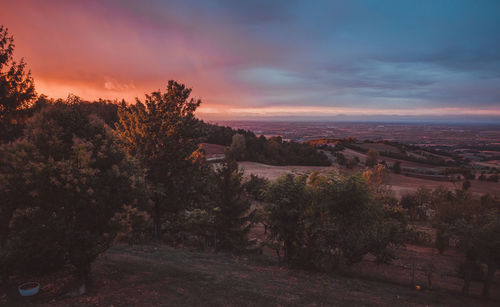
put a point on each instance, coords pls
(158, 275)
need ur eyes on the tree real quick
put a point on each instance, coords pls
(396, 167)
(232, 212)
(67, 178)
(418, 204)
(17, 89)
(327, 219)
(475, 225)
(466, 185)
(162, 133)
(238, 147)
(377, 178)
(356, 224)
(352, 162)
(488, 243)
(372, 157)
(341, 159)
(287, 198)
(256, 187)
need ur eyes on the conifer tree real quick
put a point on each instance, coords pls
(17, 89)
(232, 212)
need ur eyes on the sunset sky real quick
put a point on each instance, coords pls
(264, 59)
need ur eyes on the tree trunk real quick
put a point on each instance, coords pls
(492, 268)
(83, 273)
(469, 266)
(4, 278)
(288, 252)
(156, 221)
(413, 273)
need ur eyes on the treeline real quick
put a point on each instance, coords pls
(245, 145)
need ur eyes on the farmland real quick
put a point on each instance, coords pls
(400, 184)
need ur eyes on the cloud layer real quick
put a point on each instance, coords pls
(395, 57)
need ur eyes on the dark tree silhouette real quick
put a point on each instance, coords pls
(17, 89)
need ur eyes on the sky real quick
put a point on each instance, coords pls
(265, 59)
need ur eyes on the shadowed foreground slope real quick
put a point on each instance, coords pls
(149, 275)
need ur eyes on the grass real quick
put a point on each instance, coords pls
(159, 275)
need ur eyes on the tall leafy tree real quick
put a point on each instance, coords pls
(163, 133)
(17, 89)
(61, 186)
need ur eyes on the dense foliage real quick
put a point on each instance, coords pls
(161, 133)
(245, 145)
(328, 219)
(61, 186)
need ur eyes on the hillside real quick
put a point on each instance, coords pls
(159, 275)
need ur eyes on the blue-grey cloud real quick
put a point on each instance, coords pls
(357, 53)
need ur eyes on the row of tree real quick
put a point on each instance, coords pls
(275, 151)
(245, 145)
